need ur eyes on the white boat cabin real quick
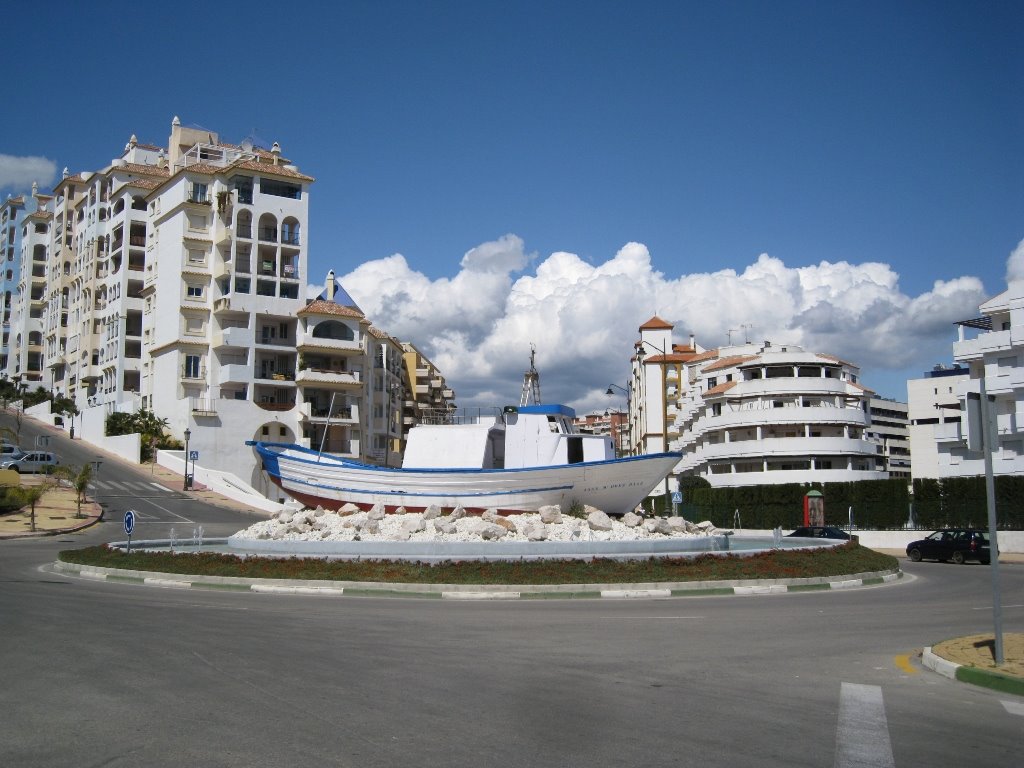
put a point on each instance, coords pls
(522, 436)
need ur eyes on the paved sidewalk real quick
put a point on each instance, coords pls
(56, 512)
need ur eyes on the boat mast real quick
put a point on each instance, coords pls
(531, 381)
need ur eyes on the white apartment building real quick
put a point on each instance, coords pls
(24, 231)
(932, 401)
(753, 414)
(888, 429)
(428, 398)
(174, 279)
(992, 348)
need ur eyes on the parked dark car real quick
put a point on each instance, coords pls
(956, 544)
(820, 532)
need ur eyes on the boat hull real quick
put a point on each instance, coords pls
(615, 486)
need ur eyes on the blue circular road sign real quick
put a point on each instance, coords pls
(129, 521)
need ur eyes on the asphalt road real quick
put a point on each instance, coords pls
(108, 674)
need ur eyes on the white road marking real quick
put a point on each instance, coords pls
(169, 512)
(1014, 707)
(862, 732)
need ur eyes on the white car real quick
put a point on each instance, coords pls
(33, 461)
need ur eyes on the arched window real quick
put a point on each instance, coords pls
(243, 224)
(332, 329)
(268, 228)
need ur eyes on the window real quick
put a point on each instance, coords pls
(194, 291)
(194, 325)
(198, 194)
(197, 222)
(196, 256)
(280, 189)
(192, 366)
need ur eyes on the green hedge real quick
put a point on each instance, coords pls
(877, 504)
(882, 504)
(955, 502)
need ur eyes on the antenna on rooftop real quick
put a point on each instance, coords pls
(531, 381)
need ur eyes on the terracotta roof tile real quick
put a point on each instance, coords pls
(835, 359)
(724, 387)
(322, 307)
(268, 168)
(143, 183)
(656, 323)
(729, 362)
(710, 354)
(148, 170)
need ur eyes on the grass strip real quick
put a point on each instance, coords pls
(778, 564)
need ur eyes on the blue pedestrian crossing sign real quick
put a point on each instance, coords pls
(129, 521)
(677, 497)
(193, 455)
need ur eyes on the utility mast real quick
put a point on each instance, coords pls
(531, 381)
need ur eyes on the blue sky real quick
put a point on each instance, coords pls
(463, 151)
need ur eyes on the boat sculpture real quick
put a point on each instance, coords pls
(523, 459)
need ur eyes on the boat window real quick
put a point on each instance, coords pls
(552, 424)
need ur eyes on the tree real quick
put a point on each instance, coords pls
(79, 479)
(28, 495)
(151, 427)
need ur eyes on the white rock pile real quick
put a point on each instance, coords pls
(548, 524)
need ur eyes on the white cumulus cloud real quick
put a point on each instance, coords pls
(1015, 264)
(583, 318)
(18, 173)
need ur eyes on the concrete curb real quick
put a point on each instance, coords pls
(473, 592)
(973, 675)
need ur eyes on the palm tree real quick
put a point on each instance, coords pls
(28, 495)
(79, 479)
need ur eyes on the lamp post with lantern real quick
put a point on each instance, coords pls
(188, 435)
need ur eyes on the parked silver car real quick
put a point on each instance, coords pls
(33, 461)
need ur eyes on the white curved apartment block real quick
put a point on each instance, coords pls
(756, 414)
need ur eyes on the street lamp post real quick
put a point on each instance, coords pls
(611, 391)
(640, 354)
(188, 435)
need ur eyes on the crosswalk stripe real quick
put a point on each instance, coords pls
(862, 732)
(1014, 707)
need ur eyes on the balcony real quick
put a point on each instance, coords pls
(233, 337)
(235, 374)
(268, 234)
(342, 414)
(203, 406)
(789, 385)
(310, 344)
(269, 404)
(986, 343)
(274, 341)
(788, 446)
(779, 476)
(336, 378)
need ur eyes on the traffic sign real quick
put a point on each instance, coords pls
(129, 521)
(677, 497)
(193, 455)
